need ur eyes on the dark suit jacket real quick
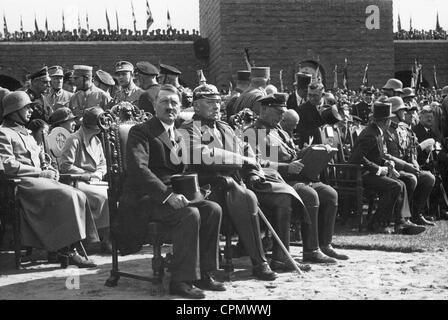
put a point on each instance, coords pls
(368, 149)
(310, 121)
(149, 170)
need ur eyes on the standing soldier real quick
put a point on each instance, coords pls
(69, 83)
(129, 92)
(40, 85)
(88, 95)
(58, 97)
(242, 83)
(170, 75)
(147, 78)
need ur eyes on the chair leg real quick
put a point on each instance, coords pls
(228, 252)
(17, 240)
(360, 212)
(157, 261)
(112, 281)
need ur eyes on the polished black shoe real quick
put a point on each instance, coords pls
(263, 272)
(186, 290)
(317, 256)
(408, 228)
(329, 251)
(421, 221)
(73, 258)
(208, 283)
(278, 265)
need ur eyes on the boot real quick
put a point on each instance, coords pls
(326, 230)
(281, 224)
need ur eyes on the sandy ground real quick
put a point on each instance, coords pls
(367, 275)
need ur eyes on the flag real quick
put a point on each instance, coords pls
(21, 24)
(36, 27)
(87, 22)
(365, 79)
(133, 18)
(410, 24)
(116, 18)
(436, 84)
(108, 22)
(149, 18)
(438, 28)
(79, 24)
(345, 76)
(63, 21)
(5, 25)
(335, 82)
(168, 20)
(399, 24)
(247, 59)
(46, 25)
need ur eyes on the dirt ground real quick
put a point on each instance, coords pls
(367, 275)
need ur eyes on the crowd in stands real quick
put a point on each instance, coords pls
(421, 35)
(102, 35)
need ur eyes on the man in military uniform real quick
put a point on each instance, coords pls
(242, 83)
(88, 95)
(393, 88)
(104, 81)
(402, 145)
(58, 97)
(273, 145)
(301, 91)
(363, 108)
(40, 86)
(259, 79)
(129, 92)
(147, 74)
(69, 83)
(214, 150)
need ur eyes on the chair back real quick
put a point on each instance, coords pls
(54, 143)
(331, 135)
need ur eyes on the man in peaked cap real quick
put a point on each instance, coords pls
(103, 80)
(279, 152)
(249, 99)
(402, 145)
(69, 83)
(378, 175)
(88, 95)
(147, 78)
(301, 90)
(170, 75)
(242, 83)
(129, 92)
(40, 85)
(57, 97)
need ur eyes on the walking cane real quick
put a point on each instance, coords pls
(265, 220)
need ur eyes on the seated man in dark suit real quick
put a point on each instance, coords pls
(369, 150)
(152, 160)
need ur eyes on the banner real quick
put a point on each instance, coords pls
(149, 18)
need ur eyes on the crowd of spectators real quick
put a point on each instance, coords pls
(421, 35)
(103, 35)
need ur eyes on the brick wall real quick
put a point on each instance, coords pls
(283, 33)
(19, 59)
(428, 53)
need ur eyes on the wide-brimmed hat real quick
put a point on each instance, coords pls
(394, 84)
(397, 104)
(90, 118)
(382, 110)
(15, 101)
(331, 115)
(61, 115)
(188, 185)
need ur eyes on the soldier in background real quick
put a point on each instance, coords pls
(300, 95)
(170, 75)
(57, 97)
(104, 81)
(147, 74)
(40, 86)
(242, 83)
(69, 84)
(129, 92)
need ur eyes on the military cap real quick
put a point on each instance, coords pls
(302, 80)
(397, 104)
(123, 66)
(104, 77)
(91, 116)
(41, 74)
(315, 88)
(382, 110)
(68, 75)
(61, 115)
(394, 84)
(274, 100)
(82, 70)
(243, 75)
(147, 68)
(166, 69)
(15, 101)
(206, 91)
(261, 72)
(408, 93)
(445, 91)
(55, 71)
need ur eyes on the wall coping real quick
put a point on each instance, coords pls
(420, 41)
(13, 43)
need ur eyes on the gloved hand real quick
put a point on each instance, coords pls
(295, 167)
(428, 144)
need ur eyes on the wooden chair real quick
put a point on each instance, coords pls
(114, 138)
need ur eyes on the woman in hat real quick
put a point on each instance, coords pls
(83, 154)
(54, 216)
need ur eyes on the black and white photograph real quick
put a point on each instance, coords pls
(233, 152)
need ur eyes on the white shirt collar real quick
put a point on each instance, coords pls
(168, 127)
